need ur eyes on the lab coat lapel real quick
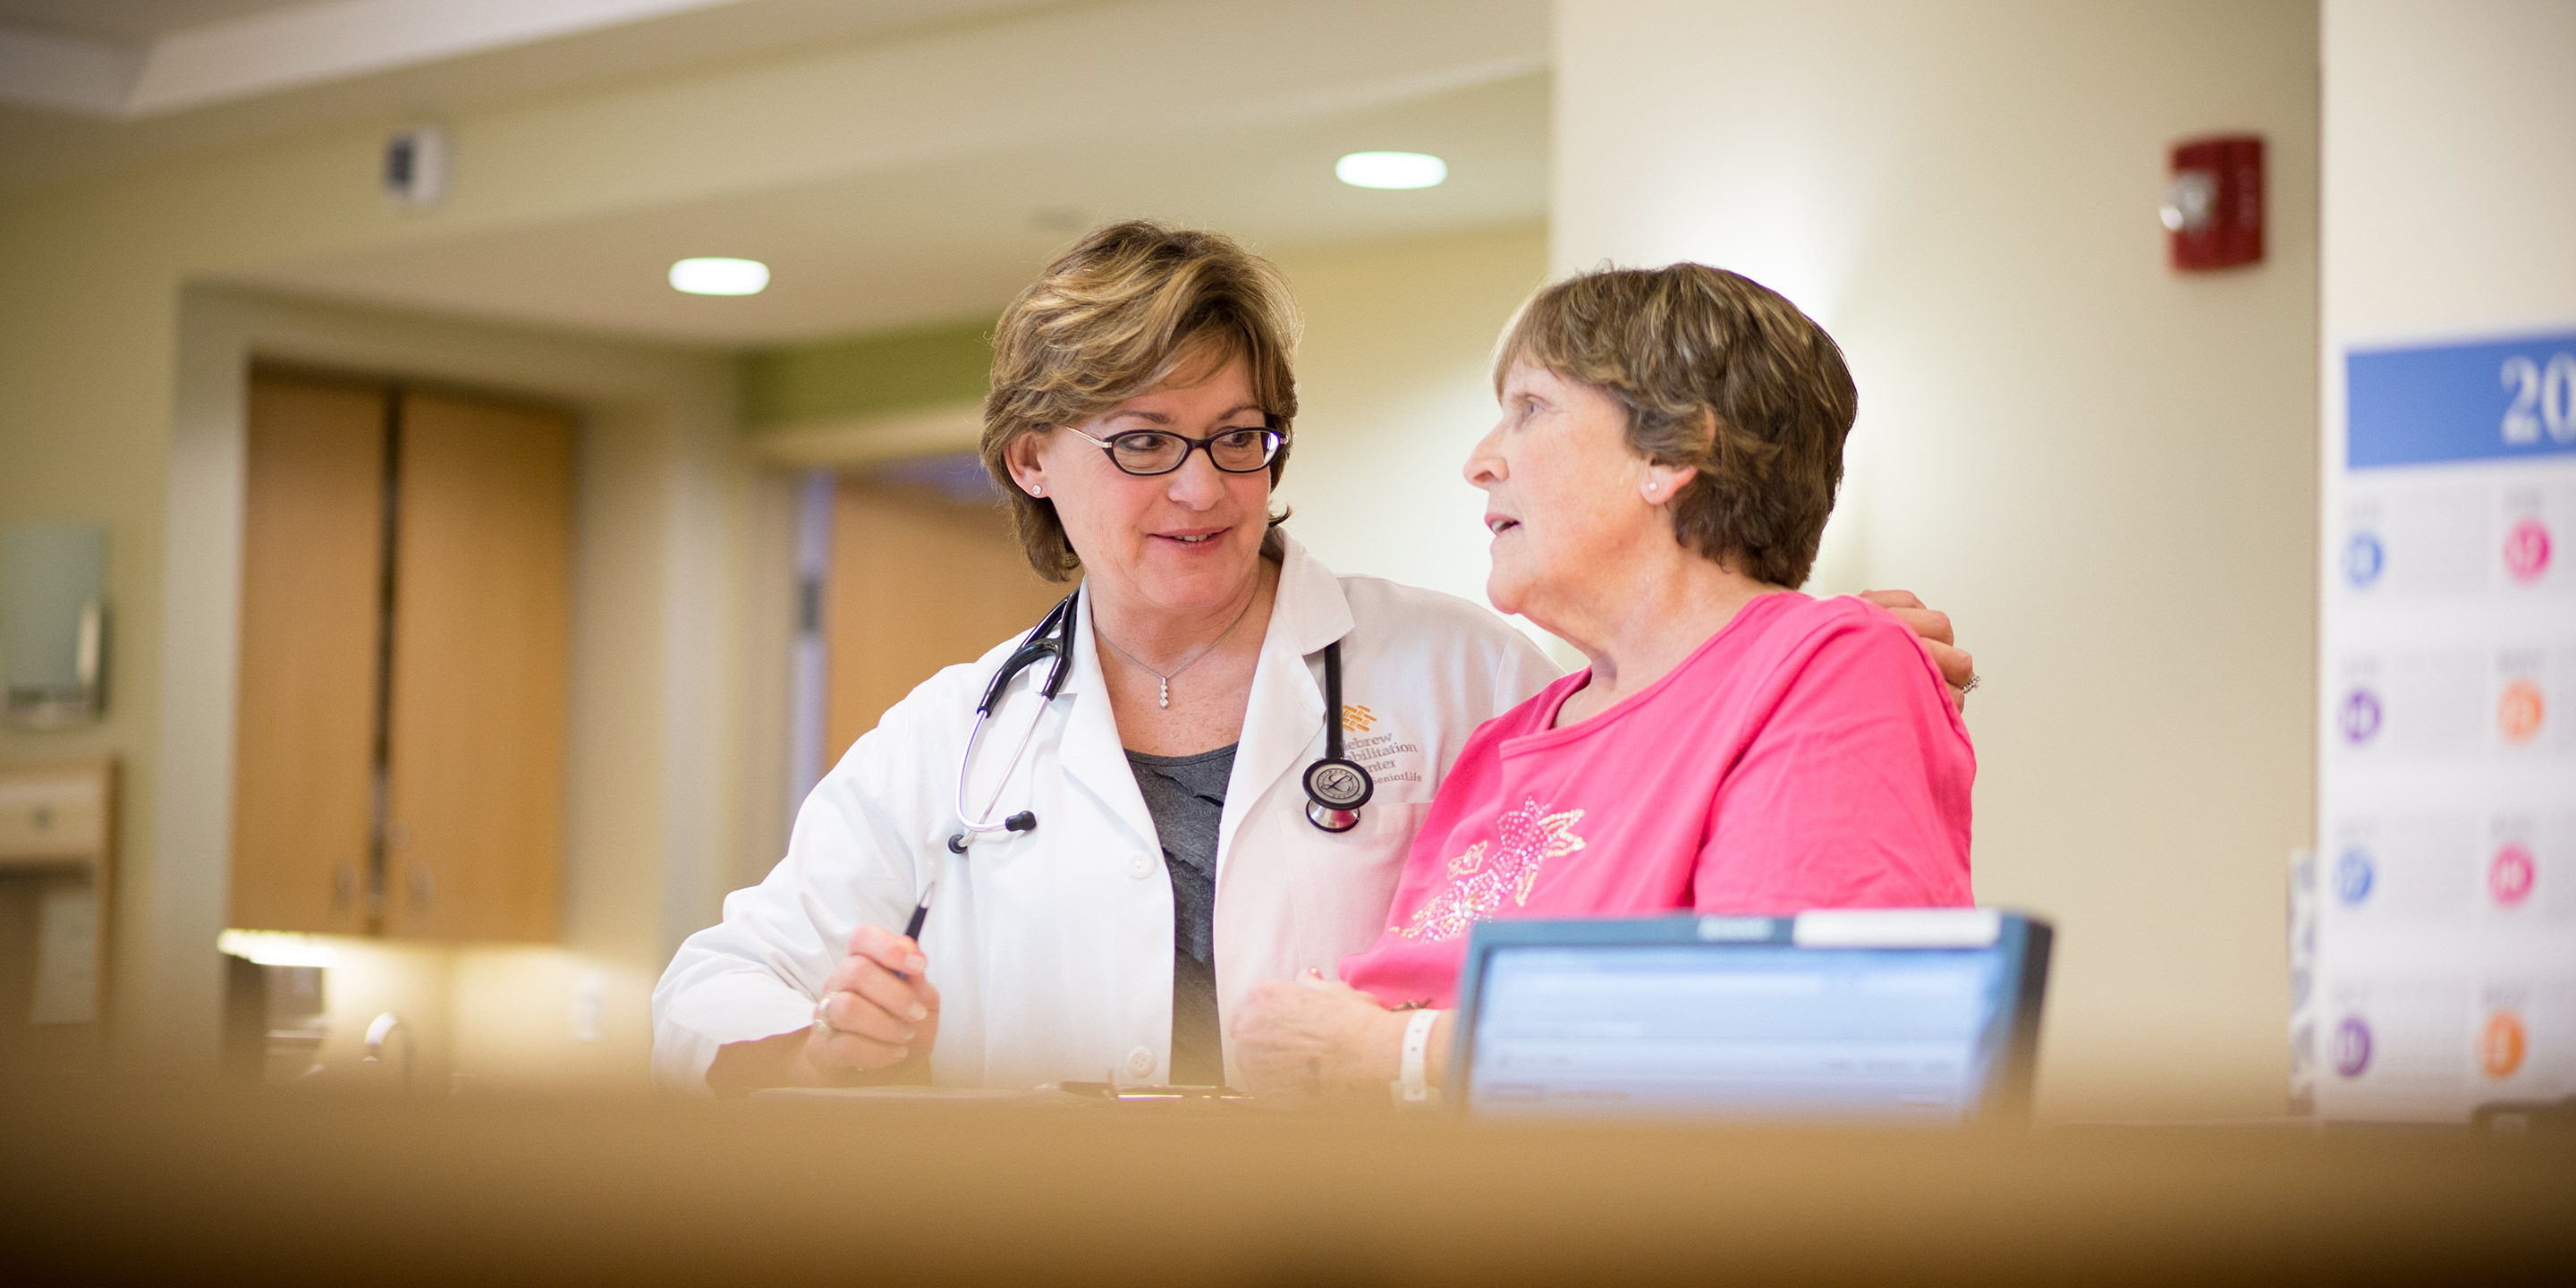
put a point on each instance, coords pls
(1092, 753)
(1286, 713)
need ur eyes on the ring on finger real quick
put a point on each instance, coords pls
(823, 1015)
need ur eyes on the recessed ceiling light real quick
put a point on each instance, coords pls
(1391, 170)
(719, 276)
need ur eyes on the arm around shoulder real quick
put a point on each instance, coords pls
(1856, 789)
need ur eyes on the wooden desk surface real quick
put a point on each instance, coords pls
(196, 1188)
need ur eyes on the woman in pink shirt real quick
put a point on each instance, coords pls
(1670, 445)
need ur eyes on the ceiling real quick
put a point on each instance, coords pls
(308, 69)
(128, 21)
(937, 240)
(959, 238)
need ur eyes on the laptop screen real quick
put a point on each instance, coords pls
(1760, 1031)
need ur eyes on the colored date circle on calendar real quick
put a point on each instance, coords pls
(2501, 1045)
(2352, 876)
(2510, 873)
(2526, 550)
(2519, 711)
(2360, 716)
(2351, 1047)
(2364, 559)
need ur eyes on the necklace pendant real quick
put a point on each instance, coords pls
(1167, 693)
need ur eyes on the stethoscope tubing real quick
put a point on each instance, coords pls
(1336, 788)
(1052, 640)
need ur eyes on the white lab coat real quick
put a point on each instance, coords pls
(1052, 950)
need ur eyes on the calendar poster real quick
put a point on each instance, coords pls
(2443, 890)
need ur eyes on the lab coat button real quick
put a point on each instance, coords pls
(1140, 865)
(1140, 1062)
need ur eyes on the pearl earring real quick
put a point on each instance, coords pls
(1036, 490)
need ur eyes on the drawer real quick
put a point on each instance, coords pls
(53, 813)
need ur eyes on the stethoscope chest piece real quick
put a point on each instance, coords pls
(1335, 790)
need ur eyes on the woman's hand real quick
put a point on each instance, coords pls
(878, 1009)
(1957, 666)
(1311, 1041)
(884, 1019)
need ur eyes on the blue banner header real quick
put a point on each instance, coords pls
(2464, 402)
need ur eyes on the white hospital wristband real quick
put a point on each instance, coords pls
(1412, 1084)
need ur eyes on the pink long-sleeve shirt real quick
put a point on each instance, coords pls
(1806, 756)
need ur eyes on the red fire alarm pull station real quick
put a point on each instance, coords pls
(2214, 202)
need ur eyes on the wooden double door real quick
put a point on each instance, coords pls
(405, 636)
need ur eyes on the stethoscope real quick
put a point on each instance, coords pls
(1336, 788)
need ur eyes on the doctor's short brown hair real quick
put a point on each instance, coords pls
(1717, 372)
(1130, 306)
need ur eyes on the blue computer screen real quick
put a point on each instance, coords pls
(1762, 1032)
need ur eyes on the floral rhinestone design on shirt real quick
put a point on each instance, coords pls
(1490, 872)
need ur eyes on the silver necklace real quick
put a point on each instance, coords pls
(1204, 650)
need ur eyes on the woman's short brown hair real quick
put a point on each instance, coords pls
(1124, 310)
(1682, 345)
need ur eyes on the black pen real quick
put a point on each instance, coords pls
(920, 914)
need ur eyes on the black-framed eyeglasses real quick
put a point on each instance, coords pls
(1160, 451)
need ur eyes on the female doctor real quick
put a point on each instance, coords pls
(1170, 807)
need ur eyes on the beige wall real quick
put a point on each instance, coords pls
(2104, 470)
(1393, 387)
(2448, 187)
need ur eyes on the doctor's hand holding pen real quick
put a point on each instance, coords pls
(878, 1009)
(876, 1023)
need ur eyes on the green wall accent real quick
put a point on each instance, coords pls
(866, 375)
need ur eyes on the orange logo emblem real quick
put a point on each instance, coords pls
(1357, 718)
(2518, 712)
(2500, 1048)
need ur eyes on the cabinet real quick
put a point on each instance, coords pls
(400, 726)
(304, 711)
(482, 627)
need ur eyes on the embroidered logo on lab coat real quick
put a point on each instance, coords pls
(1387, 756)
(1492, 871)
